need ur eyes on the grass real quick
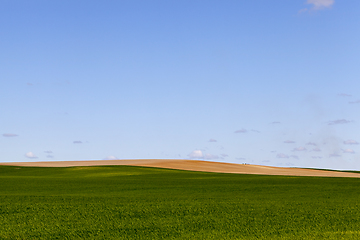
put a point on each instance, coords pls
(124, 202)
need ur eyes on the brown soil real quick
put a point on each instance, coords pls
(193, 165)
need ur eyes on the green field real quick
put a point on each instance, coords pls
(124, 202)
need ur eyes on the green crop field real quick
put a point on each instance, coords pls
(124, 202)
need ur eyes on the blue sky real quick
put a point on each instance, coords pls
(262, 82)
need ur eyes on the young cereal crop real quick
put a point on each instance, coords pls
(124, 202)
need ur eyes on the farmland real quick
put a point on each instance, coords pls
(128, 202)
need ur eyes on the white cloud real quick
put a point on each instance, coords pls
(316, 149)
(289, 141)
(212, 140)
(311, 143)
(320, 4)
(110, 158)
(348, 151)
(281, 155)
(10, 135)
(350, 142)
(196, 154)
(30, 155)
(299, 149)
(243, 130)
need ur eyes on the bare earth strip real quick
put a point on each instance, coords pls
(194, 165)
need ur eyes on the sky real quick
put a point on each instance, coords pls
(260, 82)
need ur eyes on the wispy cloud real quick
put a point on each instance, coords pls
(334, 155)
(212, 140)
(198, 154)
(30, 155)
(339, 121)
(289, 141)
(110, 158)
(318, 5)
(243, 130)
(348, 150)
(275, 122)
(209, 156)
(254, 130)
(10, 135)
(299, 149)
(294, 156)
(316, 157)
(282, 155)
(311, 143)
(350, 142)
(77, 141)
(49, 154)
(224, 155)
(354, 102)
(316, 149)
